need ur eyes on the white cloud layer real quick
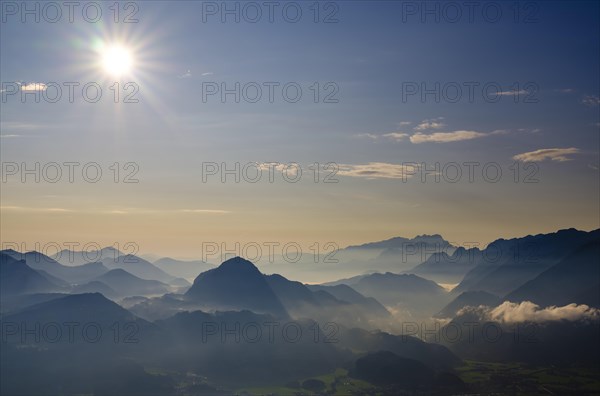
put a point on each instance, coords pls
(509, 312)
(554, 154)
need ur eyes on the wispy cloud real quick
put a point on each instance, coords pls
(205, 211)
(404, 123)
(565, 90)
(377, 170)
(445, 137)
(187, 74)
(366, 136)
(512, 93)
(138, 211)
(397, 136)
(119, 211)
(26, 209)
(553, 154)
(528, 130)
(19, 125)
(434, 123)
(591, 100)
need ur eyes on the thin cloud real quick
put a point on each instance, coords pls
(553, 154)
(377, 170)
(207, 74)
(396, 136)
(404, 123)
(19, 125)
(591, 100)
(187, 74)
(33, 87)
(434, 123)
(138, 211)
(527, 130)
(445, 137)
(512, 93)
(367, 136)
(205, 211)
(24, 209)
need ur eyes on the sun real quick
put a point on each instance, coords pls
(117, 60)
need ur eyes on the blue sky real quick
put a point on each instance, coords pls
(369, 55)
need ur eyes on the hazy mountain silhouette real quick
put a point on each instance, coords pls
(392, 255)
(235, 285)
(269, 358)
(39, 261)
(408, 290)
(76, 308)
(13, 303)
(508, 264)
(188, 270)
(142, 269)
(557, 342)
(346, 293)
(401, 242)
(16, 277)
(348, 281)
(96, 287)
(336, 323)
(301, 301)
(443, 268)
(72, 364)
(362, 341)
(125, 284)
(76, 258)
(573, 280)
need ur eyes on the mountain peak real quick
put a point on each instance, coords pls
(236, 284)
(238, 263)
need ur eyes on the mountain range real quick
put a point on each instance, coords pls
(222, 325)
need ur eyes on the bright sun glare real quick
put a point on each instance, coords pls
(117, 60)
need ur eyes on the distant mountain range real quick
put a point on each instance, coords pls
(506, 265)
(16, 278)
(187, 270)
(574, 279)
(179, 328)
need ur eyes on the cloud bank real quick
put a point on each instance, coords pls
(526, 311)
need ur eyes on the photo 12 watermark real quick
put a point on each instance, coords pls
(92, 12)
(69, 172)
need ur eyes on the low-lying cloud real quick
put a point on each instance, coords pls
(526, 311)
